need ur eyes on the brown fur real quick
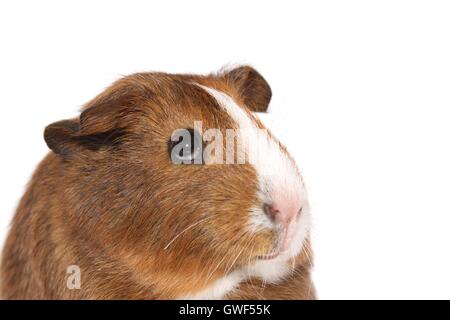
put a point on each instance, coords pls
(109, 200)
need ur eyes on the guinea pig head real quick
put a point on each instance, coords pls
(175, 177)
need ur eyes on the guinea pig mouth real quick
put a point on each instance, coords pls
(285, 237)
(279, 247)
(269, 256)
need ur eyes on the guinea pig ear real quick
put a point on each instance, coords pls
(92, 131)
(252, 88)
(61, 136)
(102, 124)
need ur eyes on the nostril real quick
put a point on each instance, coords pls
(279, 214)
(270, 211)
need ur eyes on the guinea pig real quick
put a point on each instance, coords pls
(124, 208)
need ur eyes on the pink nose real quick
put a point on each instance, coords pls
(281, 214)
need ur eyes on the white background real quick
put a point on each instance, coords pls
(361, 98)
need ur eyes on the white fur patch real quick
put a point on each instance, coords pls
(279, 181)
(219, 289)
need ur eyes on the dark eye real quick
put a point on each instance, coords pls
(185, 146)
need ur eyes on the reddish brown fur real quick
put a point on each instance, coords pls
(109, 200)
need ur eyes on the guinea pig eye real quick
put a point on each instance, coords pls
(185, 147)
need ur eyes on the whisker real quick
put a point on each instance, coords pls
(234, 261)
(210, 273)
(249, 277)
(190, 227)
